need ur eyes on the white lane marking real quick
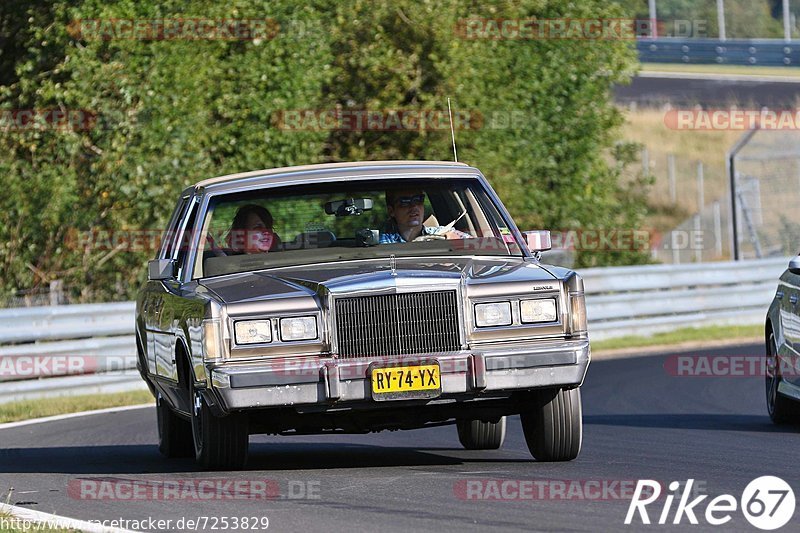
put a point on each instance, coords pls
(42, 420)
(720, 77)
(56, 521)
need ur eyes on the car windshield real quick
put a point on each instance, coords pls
(300, 225)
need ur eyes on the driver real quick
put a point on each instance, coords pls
(406, 208)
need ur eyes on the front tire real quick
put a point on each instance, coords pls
(220, 443)
(174, 433)
(781, 410)
(480, 435)
(553, 424)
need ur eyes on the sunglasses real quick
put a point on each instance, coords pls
(406, 201)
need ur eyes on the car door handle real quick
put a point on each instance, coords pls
(793, 299)
(779, 295)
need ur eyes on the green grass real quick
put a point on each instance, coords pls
(23, 410)
(742, 70)
(708, 333)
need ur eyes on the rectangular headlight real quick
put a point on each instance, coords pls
(253, 331)
(493, 314)
(578, 314)
(543, 310)
(298, 328)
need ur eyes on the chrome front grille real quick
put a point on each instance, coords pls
(397, 324)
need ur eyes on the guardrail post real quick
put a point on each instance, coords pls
(651, 4)
(787, 27)
(698, 228)
(56, 292)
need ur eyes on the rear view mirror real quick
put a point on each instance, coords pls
(538, 241)
(348, 207)
(794, 265)
(159, 269)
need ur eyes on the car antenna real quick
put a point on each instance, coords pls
(452, 131)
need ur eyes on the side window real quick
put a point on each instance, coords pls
(185, 242)
(169, 237)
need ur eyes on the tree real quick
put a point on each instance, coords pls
(171, 112)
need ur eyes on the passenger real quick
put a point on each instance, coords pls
(406, 210)
(252, 231)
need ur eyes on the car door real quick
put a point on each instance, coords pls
(160, 340)
(172, 299)
(789, 295)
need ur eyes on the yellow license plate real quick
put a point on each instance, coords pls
(405, 382)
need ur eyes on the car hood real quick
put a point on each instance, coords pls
(353, 276)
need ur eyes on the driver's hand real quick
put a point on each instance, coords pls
(455, 234)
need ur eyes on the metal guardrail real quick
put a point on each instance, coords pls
(620, 301)
(643, 300)
(769, 52)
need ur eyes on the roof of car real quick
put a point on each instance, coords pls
(326, 169)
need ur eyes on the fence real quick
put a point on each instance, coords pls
(766, 181)
(620, 301)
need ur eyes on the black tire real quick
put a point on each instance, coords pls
(781, 409)
(479, 435)
(174, 432)
(220, 443)
(553, 424)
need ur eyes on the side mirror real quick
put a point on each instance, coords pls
(158, 269)
(794, 265)
(537, 241)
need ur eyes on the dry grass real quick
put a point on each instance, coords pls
(646, 126)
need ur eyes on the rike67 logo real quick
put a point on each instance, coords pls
(767, 503)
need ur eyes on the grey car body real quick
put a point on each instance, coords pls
(212, 392)
(782, 336)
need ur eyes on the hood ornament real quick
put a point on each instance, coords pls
(393, 264)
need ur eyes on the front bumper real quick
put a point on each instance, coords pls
(325, 381)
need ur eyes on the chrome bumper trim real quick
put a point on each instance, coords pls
(325, 381)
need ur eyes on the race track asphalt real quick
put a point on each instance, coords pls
(640, 422)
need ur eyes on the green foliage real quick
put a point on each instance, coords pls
(172, 112)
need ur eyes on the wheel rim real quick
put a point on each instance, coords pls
(772, 375)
